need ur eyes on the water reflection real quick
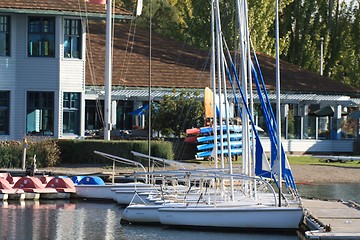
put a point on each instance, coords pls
(93, 220)
(343, 191)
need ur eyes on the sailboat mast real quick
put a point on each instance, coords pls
(278, 110)
(213, 83)
(222, 88)
(108, 71)
(245, 117)
(219, 71)
(149, 94)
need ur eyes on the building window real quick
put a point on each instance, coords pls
(40, 113)
(123, 118)
(41, 37)
(72, 38)
(94, 115)
(4, 112)
(71, 113)
(4, 36)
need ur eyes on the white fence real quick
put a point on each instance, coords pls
(313, 146)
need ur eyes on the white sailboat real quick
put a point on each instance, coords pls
(249, 208)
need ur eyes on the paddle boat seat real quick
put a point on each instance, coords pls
(91, 180)
(64, 185)
(5, 187)
(9, 178)
(33, 185)
(46, 179)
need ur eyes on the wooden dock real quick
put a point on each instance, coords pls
(332, 219)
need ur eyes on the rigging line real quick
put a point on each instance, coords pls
(89, 55)
(85, 22)
(203, 67)
(179, 119)
(132, 36)
(112, 33)
(270, 116)
(93, 75)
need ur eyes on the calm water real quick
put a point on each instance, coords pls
(94, 220)
(344, 191)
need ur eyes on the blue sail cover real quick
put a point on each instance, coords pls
(140, 111)
(262, 167)
(271, 125)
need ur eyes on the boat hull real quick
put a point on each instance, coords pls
(144, 214)
(269, 218)
(141, 214)
(107, 192)
(132, 196)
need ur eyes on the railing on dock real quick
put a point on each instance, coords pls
(120, 160)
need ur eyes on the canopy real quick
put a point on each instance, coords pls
(355, 115)
(326, 111)
(140, 111)
(323, 112)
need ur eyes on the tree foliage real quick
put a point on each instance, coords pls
(302, 25)
(176, 113)
(337, 24)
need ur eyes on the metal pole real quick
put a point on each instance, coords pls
(23, 165)
(278, 110)
(321, 55)
(108, 71)
(149, 93)
(213, 83)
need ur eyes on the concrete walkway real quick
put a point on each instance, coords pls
(332, 219)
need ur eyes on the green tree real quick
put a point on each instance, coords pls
(302, 25)
(164, 18)
(262, 25)
(337, 24)
(343, 51)
(176, 113)
(307, 22)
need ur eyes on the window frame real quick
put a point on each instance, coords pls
(7, 33)
(44, 102)
(41, 28)
(72, 107)
(5, 112)
(73, 32)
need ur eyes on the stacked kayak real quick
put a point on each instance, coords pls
(204, 136)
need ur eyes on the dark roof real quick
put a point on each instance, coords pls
(56, 6)
(294, 78)
(173, 64)
(177, 65)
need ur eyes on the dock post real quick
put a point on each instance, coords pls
(113, 173)
(24, 154)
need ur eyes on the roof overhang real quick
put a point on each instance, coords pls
(142, 94)
(90, 15)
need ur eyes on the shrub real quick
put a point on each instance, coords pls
(47, 153)
(82, 151)
(10, 154)
(51, 152)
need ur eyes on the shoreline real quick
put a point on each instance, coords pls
(303, 174)
(320, 174)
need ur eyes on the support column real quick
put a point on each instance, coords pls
(138, 120)
(337, 121)
(113, 114)
(305, 122)
(285, 111)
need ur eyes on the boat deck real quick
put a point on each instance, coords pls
(332, 219)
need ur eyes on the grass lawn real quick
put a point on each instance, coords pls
(303, 160)
(298, 160)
